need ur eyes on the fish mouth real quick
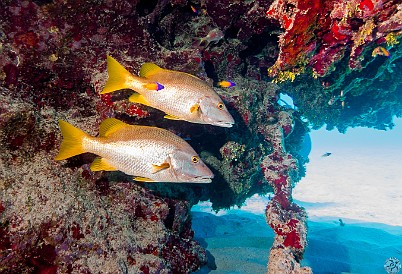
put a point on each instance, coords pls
(224, 124)
(203, 179)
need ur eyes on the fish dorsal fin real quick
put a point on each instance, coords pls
(138, 98)
(157, 168)
(149, 69)
(110, 125)
(101, 164)
(143, 179)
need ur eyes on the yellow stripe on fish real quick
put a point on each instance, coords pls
(150, 154)
(180, 95)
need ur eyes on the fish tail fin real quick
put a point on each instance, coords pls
(72, 141)
(118, 76)
(198, 42)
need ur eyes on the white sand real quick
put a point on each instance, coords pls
(240, 243)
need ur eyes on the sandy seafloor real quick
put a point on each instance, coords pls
(239, 241)
(359, 183)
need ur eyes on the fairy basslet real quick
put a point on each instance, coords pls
(226, 84)
(150, 154)
(180, 95)
(380, 51)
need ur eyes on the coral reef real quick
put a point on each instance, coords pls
(58, 219)
(63, 217)
(318, 35)
(287, 219)
(333, 41)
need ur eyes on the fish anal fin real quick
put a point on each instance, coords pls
(110, 125)
(138, 98)
(157, 168)
(149, 69)
(143, 179)
(171, 117)
(101, 164)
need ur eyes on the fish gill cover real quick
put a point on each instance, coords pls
(62, 217)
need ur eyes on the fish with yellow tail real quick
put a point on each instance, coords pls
(150, 154)
(180, 95)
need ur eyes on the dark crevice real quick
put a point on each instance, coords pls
(145, 7)
(231, 32)
(210, 71)
(170, 217)
(257, 43)
(42, 2)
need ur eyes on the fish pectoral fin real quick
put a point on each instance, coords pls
(195, 108)
(110, 125)
(157, 168)
(143, 179)
(149, 69)
(138, 98)
(101, 164)
(172, 117)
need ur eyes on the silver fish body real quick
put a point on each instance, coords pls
(148, 153)
(180, 95)
(193, 99)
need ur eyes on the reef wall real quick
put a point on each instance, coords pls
(61, 217)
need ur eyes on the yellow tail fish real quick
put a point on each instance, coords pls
(150, 154)
(180, 95)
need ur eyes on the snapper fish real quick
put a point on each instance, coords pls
(180, 95)
(150, 154)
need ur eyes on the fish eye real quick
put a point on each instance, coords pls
(194, 159)
(221, 106)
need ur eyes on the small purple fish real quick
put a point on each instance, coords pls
(226, 84)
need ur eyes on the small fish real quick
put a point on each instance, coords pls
(180, 95)
(226, 84)
(333, 100)
(194, 10)
(340, 97)
(326, 154)
(381, 51)
(214, 36)
(150, 154)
